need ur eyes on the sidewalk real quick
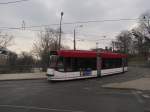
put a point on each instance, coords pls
(139, 84)
(23, 76)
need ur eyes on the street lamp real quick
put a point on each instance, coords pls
(147, 20)
(74, 41)
(60, 30)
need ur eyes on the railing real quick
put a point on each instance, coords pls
(19, 69)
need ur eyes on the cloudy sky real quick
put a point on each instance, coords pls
(46, 12)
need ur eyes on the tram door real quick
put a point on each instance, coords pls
(99, 64)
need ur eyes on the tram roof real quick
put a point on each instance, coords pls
(89, 54)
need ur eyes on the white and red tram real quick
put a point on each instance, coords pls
(70, 64)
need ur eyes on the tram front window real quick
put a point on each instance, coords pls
(56, 62)
(60, 64)
(53, 61)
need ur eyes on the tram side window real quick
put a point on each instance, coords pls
(75, 64)
(87, 63)
(126, 62)
(111, 63)
(71, 64)
(118, 63)
(68, 66)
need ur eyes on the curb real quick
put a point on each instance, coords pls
(119, 88)
(23, 79)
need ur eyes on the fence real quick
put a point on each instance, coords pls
(19, 69)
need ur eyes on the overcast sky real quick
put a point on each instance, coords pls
(43, 12)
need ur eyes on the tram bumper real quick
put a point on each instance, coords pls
(50, 73)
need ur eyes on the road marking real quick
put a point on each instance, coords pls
(147, 110)
(114, 93)
(139, 92)
(86, 88)
(146, 96)
(35, 86)
(140, 100)
(39, 108)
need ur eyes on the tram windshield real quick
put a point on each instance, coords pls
(56, 62)
(53, 61)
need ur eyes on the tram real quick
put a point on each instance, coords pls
(80, 64)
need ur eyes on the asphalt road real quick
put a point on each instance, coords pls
(71, 96)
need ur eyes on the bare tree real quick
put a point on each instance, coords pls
(48, 41)
(123, 42)
(138, 40)
(145, 21)
(146, 27)
(5, 40)
(25, 59)
(141, 34)
(24, 62)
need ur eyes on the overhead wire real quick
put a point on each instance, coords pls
(28, 28)
(70, 23)
(12, 2)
